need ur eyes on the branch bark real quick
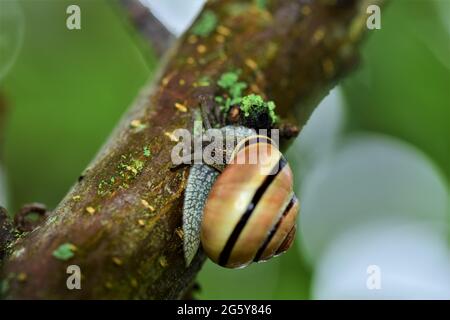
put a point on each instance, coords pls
(123, 217)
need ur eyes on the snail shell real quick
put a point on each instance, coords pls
(251, 209)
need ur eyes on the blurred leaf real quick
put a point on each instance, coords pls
(257, 281)
(294, 275)
(11, 34)
(67, 90)
(403, 86)
(285, 277)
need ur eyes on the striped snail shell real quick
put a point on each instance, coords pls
(251, 210)
(199, 184)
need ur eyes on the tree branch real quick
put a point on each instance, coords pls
(148, 26)
(123, 217)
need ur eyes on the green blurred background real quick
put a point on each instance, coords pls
(67, 90)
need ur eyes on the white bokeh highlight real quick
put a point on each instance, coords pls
(413, 260)
(12, 30)
(370, 177)
(175, 15)
(320, 136)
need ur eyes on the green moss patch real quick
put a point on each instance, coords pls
(64, 252)
(127, 170)
(233, 88)
(206, 24)
(255, 111)
(254, 105)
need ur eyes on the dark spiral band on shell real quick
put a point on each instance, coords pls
(226, 252)
(275, 229)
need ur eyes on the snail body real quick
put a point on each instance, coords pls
(250, 209)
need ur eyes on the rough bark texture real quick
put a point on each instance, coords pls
(123, 216)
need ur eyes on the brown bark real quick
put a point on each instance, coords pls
(293, 52)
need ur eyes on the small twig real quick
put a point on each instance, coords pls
(30, 216)
(148, 26)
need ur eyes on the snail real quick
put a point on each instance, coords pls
(244, 210)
